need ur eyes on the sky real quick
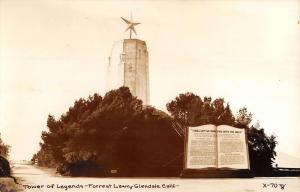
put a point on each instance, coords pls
(54, 52)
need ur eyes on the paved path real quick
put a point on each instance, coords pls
(38, 179)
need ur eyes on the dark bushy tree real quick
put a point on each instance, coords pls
(150, 146)
(4, 164)
(261, 151)
(53, 150)
(190, 110)
(113, 132)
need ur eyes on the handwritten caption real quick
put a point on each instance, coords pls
(106, 186)
(274, 185)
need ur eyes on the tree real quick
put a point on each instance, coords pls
(243, 118)
(115, 132)
(190, 110)
(150, 146)
(4, 164)
(184, 108)
(62, 130)
(261, 151)
(92, 138)
(4, 148)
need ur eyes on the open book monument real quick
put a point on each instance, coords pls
(216, 151)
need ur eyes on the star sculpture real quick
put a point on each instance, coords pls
(131, 25)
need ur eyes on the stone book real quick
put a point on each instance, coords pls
(216, 151)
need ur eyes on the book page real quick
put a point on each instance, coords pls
(201, 147)
(232, 148)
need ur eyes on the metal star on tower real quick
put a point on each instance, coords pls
(131, 25)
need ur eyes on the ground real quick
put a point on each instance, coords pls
(39, 179)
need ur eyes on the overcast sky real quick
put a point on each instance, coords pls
(54, 52)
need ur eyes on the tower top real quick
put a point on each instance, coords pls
(131, 25)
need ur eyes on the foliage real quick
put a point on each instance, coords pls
(190, 110)
(4, 167)
(261, 151)
(114, 132)
(243, 118)
(4, 164)
(4, 149)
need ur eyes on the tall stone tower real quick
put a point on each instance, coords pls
(135, 66)
(136, 69)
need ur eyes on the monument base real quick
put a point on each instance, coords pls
(216, 173)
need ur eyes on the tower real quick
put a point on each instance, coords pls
(136, 69)
(135, 66)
